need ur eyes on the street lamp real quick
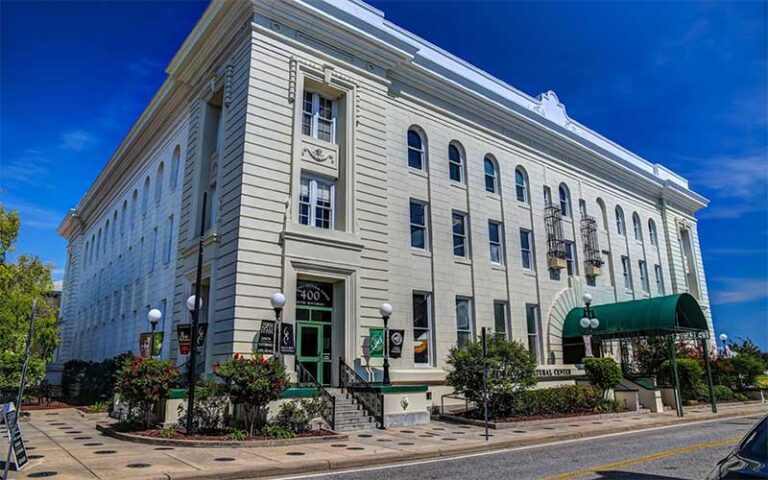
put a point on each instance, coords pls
(153, 316)
(386, 311)
(194, 304)
(724, 338)
(588, 322)
(278, 302)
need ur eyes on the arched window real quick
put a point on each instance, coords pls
(175, 166)
(145, 197)
(521, 185)
(603, 213)
(491, 175)
(159, 182)
(106, 237)
(98, 244)
(134, 207)
(114, 228)
(652, 232)
(87, 251)
(565, 200)
(547, 196)
(455, 164)
(123, 214)
(415, 149)
(636, 228)
(621, 227)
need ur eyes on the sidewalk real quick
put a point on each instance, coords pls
(61, 441)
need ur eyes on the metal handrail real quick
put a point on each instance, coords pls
(328, 412)
(369, 397)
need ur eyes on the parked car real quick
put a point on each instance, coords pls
(749, 459)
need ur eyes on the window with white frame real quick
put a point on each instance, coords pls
(316, 202)
(455, 164)
(565, 200)
(659, 279)
(175, 167)
(460, 247)
(636, 228)
(570, 257)
(464, 324)
(491, 175)
(625, 272)
(526, 248)
(500, 319)
(422, 329)
(652, 235)
(159, 182)
(319, 116)
(643, 276)
(419, 237)
(532, 324)
(415, 150)
(521, 185)
(621, 227)
(496, 241)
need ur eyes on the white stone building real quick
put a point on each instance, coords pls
(356, 163)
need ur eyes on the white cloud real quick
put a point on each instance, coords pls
(739, 290)
(33, 215)
(77, 140)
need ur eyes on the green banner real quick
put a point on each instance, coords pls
(377, 343)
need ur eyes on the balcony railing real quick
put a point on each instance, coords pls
(370, 398)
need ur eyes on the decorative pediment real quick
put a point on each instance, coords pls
(550, 107)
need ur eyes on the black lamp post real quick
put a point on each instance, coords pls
(194, 304)
(588, 322)
(278, 302)
(386, 311)
(154, 317)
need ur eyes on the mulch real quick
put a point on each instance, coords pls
(46, 406)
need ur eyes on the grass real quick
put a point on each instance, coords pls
(762, 381)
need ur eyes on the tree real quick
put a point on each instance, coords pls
(21, 283)
(748, 347)
(603, 373)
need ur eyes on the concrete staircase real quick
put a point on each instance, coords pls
(350, 415)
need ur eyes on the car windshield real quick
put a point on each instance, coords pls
(755, 445)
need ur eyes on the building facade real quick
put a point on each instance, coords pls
(349, 163)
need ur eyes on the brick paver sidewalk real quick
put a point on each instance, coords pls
(61, 441)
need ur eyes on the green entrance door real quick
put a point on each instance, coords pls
(314, 350)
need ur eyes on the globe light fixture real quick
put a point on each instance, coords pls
(587, 298)
(594, 323)
(191, 303)
(385, 310)
(723, 337)
(277, 300)
(153, 316)
(584, 322)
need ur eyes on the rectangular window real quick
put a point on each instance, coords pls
(643, 276)
(526, 250)
(316, 202)
(422, 329)
(419, 225)
(570, 258)
(659, 279)
(500, 319)
(167, 248)
(460, 234)
(464, 327)
(625, 271)
(153, 252)
(496, 241)
(532, 323)
(319, 117)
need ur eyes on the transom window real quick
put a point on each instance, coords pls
(316, 202)
(491, 176)
(319, 116)
(495, 240)
(422, 329)
(459, 234)
(418, 225)
(415, 150)
(464, 327)
(455, 164)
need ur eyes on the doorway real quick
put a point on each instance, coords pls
(314, 315)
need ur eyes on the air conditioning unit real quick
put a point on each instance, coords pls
(556, 263)
(592, 271)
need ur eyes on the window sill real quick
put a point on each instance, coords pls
(523, 205)
(458, 185)
(419, 173)
(421, 253)
(493, 196)
(463, 261)
(528, 272)
(499, 267)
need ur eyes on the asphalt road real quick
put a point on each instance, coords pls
(682, 452)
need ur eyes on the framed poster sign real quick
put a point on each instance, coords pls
(18, 451)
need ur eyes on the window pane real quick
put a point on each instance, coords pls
(417, 213)
(462, 315)
(458, 246)
(417, 237)
(414, 140)
(493, 232)
(420, 319)
(490, 184)
(455, 172)
(499, 318)
(525, 242)
(458, 224)
(530, 319)
(421, 332)
(415, 159)
(421, 346)
(495, 253)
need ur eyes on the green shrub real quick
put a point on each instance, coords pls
(253, 383)
(276, 431)
(237, 434)
(565, 400)
(84, 383)
(740, 397)
(296, 415)
(604, 373)
(210, 411)
(511, 370)
(169, 432)
(691, 376)
(723, 393)
(142, 382)
(99, 407)
(747, 368)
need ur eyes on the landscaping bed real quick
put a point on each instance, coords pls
(155, 437)
(511, 422)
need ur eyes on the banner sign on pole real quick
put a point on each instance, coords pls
(145, 344)
(184, 332)
(18, 449)
(202, 331)
(377, 343)
(396, 343)
(266, 343)
(587, 345)
(287, 344)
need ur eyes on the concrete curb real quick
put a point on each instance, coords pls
(170, 442)
(319, 466)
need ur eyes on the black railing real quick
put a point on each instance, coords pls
(553, 221)
(589, 236)
(306, 379)
(370, 398)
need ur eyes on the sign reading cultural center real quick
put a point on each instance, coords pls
(18, 450)
(314, 294)
(287, 344)
(266, 343)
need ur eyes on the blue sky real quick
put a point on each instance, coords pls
(684, 84)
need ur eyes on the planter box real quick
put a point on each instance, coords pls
(556, 263)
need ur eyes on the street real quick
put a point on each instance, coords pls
(682, 452)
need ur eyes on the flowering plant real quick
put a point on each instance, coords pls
(142, 382)
(253, 383)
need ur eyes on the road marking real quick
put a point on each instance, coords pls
(651, 457)
(512, 449)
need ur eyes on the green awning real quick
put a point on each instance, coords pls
(673, 313)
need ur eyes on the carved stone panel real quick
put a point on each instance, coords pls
(319, 157)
